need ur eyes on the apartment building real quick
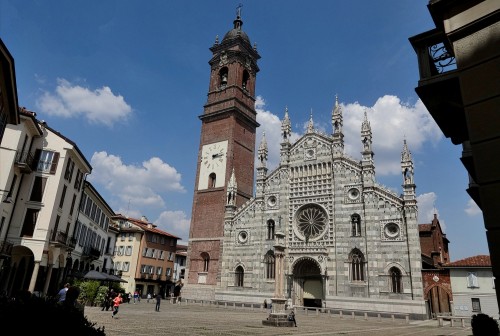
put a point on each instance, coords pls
(92, 236)
(144, 256)
(8, 90)
(44, 172)
(180, 263)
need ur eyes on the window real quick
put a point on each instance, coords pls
(472, 280)
(223, 75)
(206, 260)
(355, 225)
(244, 83)
(78, 180)
(29, 222)
(63, 196)
(162, 255)
(128, 251)
(143, 268)
(169, 271)
(239, 276)
(270, 229)
(170, 256)
(357, 266)
(476, 305)
(269, 262)
(38, 189)
(73, 201)
(159, 270)
(120, 250)
(68, 173)
(211, 180)
(395, 274)
(47, 161)
(126, 266)
(82, 202)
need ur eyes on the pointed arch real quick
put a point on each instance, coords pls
(270, 264)
(239, 276)
(270, 229)
(357, 265)
(355, 225)
(396, 277)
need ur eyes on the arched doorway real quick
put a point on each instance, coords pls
(439, 301)
(307, 284)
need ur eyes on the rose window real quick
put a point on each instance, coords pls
(311, 221)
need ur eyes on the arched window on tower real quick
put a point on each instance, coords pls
(239, 275)
(246, 77)
(270, 229)
(355, 225)
(269, 261)
(211, 180)
(395, 274)
(357, 264)
(206, 261)
(223, 76)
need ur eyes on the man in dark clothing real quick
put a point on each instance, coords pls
(158, 301)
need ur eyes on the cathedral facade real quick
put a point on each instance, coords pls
(319, 221)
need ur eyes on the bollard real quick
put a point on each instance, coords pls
(366, 316)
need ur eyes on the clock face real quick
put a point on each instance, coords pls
(213, 165)
(214, 156)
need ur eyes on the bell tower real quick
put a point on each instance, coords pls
(227, 147)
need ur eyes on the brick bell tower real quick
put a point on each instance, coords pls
(227, 143)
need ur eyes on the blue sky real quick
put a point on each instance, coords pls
(127, 80)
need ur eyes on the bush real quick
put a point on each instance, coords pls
(88, 291)
(484, 325)
(38, 311)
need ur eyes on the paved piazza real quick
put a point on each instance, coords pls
(195, 319)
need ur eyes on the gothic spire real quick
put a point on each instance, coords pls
(310, 126)
(286, 127)
(366, 134)
(337, 121)
(262, 152)
(232, 188)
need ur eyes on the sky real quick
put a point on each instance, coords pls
(127, 80)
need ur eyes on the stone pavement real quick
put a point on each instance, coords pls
(193, 319)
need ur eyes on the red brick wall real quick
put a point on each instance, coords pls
(444, 281)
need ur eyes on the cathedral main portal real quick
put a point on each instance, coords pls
(307, 284)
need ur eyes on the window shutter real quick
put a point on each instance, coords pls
(53, 167)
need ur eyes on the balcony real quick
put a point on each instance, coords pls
(71, 243)
(5, 249)
(24, 161)
(439, 86)
(58, 238)
(91, 253)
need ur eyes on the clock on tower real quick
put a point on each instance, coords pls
(227, 143)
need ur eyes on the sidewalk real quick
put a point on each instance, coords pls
(194, 319)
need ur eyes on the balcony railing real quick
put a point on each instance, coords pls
(24, 161)
(435, 55)
(71, 243)
(5, 248)
(91, 253)
(59, 237)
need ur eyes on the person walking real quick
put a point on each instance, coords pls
(116, 304)
(149, 297)
(291, 317)
(158, 302)
(61, 295)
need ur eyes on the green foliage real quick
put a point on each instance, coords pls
(88, 291)
(101, 295)
(484, 325)
(39, 312)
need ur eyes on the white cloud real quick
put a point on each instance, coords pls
(472, 209)
(174, 222)
(137, 186)
(391, 122)
(97, 106)
(427, 209)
